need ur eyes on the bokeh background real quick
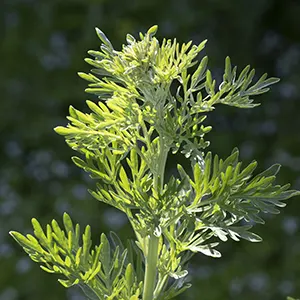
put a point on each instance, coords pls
(43, 44)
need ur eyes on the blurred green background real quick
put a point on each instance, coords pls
(43, 44)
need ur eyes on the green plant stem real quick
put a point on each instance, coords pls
(151, 268)
(151, 256)
(161, 164)
(160, 286)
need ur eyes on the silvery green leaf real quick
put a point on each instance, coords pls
(180, 274)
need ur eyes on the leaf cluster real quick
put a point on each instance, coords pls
(103, 272)
(143, 121)
(225, 198)
(124, 142)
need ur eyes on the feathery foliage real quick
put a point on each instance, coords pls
(124, 143)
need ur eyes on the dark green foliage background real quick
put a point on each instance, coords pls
(43, 44)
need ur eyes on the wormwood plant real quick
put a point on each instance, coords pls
(150, 107)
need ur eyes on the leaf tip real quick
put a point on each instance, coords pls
(152, 30)
(34, 221)
(12, 233)
(61, 130)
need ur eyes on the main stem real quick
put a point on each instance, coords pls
(151, 256)
(151, 268)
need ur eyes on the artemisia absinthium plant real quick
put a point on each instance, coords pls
(124, 143)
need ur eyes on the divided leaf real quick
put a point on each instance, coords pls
(100, 272)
